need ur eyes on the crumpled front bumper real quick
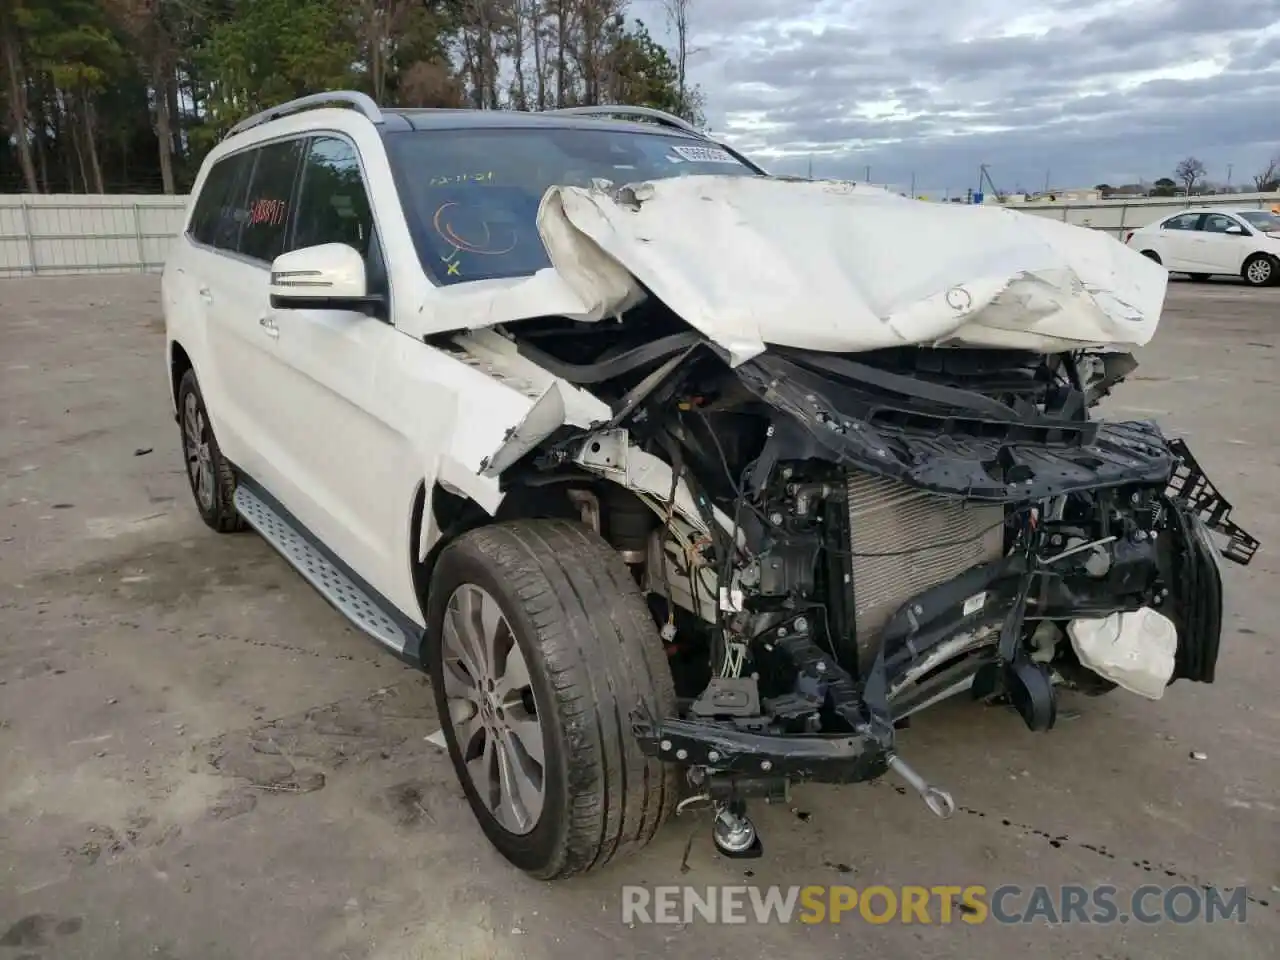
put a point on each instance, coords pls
(841, 758)
(1191, 563)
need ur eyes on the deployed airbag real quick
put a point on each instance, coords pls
(1134, 650)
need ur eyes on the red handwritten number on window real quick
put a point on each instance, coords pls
(270, 212)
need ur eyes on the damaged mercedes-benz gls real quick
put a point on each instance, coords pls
(690, 490)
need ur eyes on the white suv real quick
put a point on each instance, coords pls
(698, 482)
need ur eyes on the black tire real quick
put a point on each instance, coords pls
(217, 509)
(593, 655)
(1261, 270)
(1152, 255)
(1200, 277)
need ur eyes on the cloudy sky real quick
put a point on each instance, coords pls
(1080, 91)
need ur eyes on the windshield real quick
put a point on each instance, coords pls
(471, 196)
(1262, 219)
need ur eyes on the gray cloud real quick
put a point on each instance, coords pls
(1089, 90)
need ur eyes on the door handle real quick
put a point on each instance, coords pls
(269, 325)
(206, 295)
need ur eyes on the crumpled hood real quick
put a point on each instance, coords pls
(836, 266)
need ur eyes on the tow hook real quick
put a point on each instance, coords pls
(936, 799)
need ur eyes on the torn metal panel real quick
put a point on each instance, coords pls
(545, 416)
(610, 454)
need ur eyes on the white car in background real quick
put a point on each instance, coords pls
(1205, 243)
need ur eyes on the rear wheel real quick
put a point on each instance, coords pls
(1260, 270)
(212, 481)
(540, 648)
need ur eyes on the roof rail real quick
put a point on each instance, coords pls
(360, 101)
(622, 110)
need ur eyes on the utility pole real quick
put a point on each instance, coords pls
(1229, 168)
(868, 177)
(1046, 181)
(913, 184)
(811, 166)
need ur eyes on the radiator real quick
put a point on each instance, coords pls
(887, 517)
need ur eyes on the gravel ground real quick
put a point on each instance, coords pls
(199, 759)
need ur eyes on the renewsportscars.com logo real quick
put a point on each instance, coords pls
(938, 904)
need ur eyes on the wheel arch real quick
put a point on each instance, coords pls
(442, 513)
(179, 364)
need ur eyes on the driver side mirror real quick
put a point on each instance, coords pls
(1235, 229)
(330, 276)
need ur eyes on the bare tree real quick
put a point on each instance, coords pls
(430, 84)
(1269, 178)
(481, 24)
(1189, 172)
(517, 16)
(158, 30)
(538, 40)
(678, 18)
(17, 94)
(381, 22)
(562, 15)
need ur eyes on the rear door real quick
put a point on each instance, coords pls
(1177, 246)
(241, 341)
(197, 278)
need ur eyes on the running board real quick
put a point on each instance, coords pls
(336, 587)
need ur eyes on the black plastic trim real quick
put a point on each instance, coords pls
(966, 453)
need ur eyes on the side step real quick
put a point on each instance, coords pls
(356, 605)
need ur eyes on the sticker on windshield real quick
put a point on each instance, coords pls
(701, 155)
(443, 181)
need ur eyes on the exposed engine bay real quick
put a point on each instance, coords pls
(863, 536)
(834, 535)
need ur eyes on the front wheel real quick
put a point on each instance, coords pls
(540, 647)
(1259, 270)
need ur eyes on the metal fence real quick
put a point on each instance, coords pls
(65, 235)
(1119, 216)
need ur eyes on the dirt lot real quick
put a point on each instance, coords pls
(198, 759)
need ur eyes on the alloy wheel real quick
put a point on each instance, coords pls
(1259, 272)
(491, 709)
(195, 442)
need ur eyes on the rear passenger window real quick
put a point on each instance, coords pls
(216, 217)
(266, 212)
(333, 206)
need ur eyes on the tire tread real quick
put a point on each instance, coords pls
(603, 657)
(224, 518)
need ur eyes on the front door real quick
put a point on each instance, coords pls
(1178, 248)
(1219, 250)
(346, 465)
